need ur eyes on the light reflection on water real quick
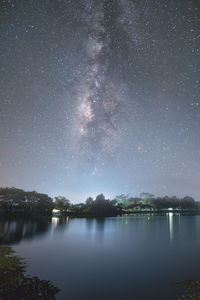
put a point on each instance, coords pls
(109, 258)
(54, 221)
(170, 226)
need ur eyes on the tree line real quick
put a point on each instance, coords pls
(98, 206)
(17, 201)
(124, 203)
(147, 200)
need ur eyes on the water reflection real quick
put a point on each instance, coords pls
(89, 223)
(100, 225)
(55, 222)
(170, 226)
(177, 226)
(14, 230)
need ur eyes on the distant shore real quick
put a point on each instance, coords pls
(17, 202)
(122, 213)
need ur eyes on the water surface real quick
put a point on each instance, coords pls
(133, 257)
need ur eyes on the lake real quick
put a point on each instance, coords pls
(129, 257)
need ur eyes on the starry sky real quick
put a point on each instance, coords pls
(100, 96)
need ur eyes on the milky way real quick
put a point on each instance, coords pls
(99, 105)
(100, 96)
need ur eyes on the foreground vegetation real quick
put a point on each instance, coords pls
(191, 290)
(15, 284)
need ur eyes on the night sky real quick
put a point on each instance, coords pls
(100, 96)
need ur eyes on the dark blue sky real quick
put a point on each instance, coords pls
(100, 96)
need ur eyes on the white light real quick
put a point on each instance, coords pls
(55, 221)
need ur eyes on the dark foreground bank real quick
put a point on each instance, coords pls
(16, 284)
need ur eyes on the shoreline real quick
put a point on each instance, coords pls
(103, 215)
(123, 213)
